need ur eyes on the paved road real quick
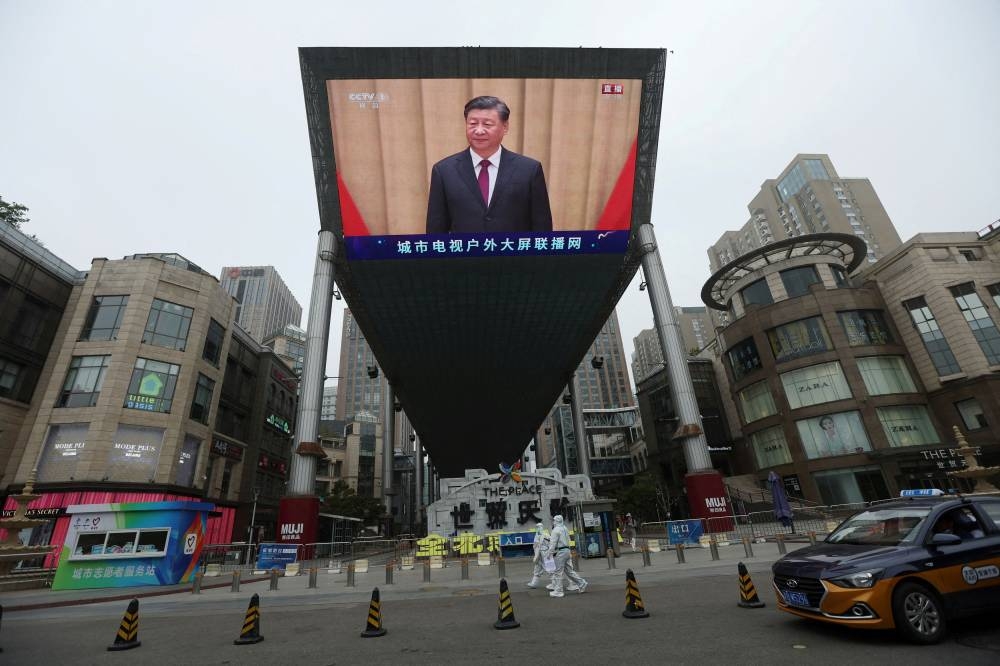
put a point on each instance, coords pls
(694, 619)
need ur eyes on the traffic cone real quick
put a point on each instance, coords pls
(373, 627)
(128, 631)
(505, 611)
(250, 633)
(748, 593)
(633, 600)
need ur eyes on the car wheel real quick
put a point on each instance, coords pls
(918, 613)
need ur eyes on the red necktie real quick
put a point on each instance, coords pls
(484, 181)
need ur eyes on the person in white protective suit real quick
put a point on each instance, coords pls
(559, 543)
(541, 548)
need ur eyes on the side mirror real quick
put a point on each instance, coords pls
(945, 539)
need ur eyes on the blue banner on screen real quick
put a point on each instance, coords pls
(437, 246)
(684, 531)
(278, 555)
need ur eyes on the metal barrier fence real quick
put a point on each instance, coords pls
(229, 556)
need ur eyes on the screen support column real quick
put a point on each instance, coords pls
(706, 491)
(298, 511)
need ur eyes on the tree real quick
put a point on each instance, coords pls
(639, 499)
(344, 501)
(13, 213)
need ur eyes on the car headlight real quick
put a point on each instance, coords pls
(861, 579)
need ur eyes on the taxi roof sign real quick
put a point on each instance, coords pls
(922, 492)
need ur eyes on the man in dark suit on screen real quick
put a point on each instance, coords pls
(487, 188)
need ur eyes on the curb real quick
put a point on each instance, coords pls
(121, 597)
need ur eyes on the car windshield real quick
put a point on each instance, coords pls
(881, 527)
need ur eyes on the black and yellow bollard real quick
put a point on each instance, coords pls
(633, 600)
(373, 626)
(748, 593)
(505, 610)
(128, 631)
(251, 624)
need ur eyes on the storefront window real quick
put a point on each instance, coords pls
(770, 448)
(885, 374)
(744, 359)
(833, 435)
(799, 338)
(757, 402)
(152, 386)
(64, 446)
(851, 486)
(865, 327)
(135, 453)
(907, 425)
(972, 414)
(815, 384)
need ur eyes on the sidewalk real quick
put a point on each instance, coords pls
(408, 584)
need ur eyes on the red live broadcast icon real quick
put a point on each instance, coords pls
(612, 89)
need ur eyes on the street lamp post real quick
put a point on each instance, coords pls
(253, 519)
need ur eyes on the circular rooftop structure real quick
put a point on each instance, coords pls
(848, 250)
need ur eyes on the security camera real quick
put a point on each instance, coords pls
(372, 371)
(597, 362)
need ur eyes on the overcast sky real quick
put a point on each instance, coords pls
(179, 126)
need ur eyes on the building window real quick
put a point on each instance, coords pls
(969, 254)
(885, 374)
(979, 320)
(757, 293)
(167, 325)
(152, 386)
(770, 448)
(757, 402)
(934, 340)
(972, 414)
(815, 385)
(187, 462)
(135, 453)
(865, 327)
(83, 381)
(744, 359)
(833, 435)
(65, 445)
(994, 290)
(797, 280)
(213, 342)
(907, 425)
(840, 277)
(202, 401)
(9, 374)
(799, 338)
(104, 318)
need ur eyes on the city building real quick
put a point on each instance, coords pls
(809, 197)
(603, 383)
(831, 379)
(150, 392)
(290, 345)
(328, 408)
(697, 332)
(663, 457)
(942, 290)
(35, 288)
(264, 304)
